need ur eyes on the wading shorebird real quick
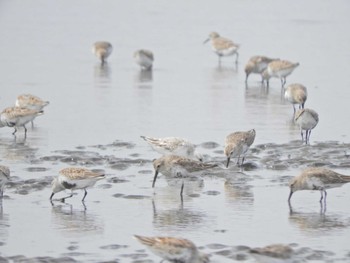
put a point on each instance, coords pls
(174, 146)
(73, 178)
(4, 178)
(307, 119)
(30, 101)
(320, 179)
(174, 166)
(102, 50)
(280, 69)
(175, 250)
(222, 46)
(18, 117)
(144, 58)
(296, 94)
(257, 65)
(237, 145)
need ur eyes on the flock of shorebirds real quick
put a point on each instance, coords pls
(180, 157)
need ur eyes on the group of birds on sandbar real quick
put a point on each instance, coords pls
(180, 157)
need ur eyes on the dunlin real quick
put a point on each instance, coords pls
(31, 102)
(18, 117)
(237, 144)
(281, 69)
(73, 178)
(4, 178)
(307, 119)
(175, 146)
(176, 250)
(144, 58)
(296, 94)
(102, 50)
(319, 179)
(174, 166)
(222, 46)
(257, 65)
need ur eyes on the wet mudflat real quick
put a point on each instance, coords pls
(98, 113)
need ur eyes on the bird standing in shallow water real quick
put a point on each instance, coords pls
(31, 102)
(4, 178)
(257, 65)
(173, 166)
(296, 94)
(18, 117)
(319, 179)
(237, 145)
(280, 69)
(307, 119)
(102, 50)
(222, 46)
(73, 178)
(176, 250)
(144, 58)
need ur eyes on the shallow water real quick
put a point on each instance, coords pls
(96, 115)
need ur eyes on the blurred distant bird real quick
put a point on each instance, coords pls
(4, 178)
(31, 102)
(280, 69)
(73, 178)
(315, 178)
(222, 46)
(257, 65)
(102, 50)
(18, 117)
(307, 119)
(273, 253)
(296, 94)
(172, 249)
(237, 145)
(175, 146)
(144, 58)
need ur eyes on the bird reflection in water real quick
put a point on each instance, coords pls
(317, 221)
(238, 191)
(177, 217)
(102, 73)
(75, 220)
(144, 79)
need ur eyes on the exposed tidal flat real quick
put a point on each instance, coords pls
(226, 206)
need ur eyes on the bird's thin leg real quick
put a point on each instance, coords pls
(25, 131)
(302, 135)
(85, 193)
(14, 131)
(321, 196)
(243, 158)
(237, 57)
(63, 199)
(238, 160)
(308, 132)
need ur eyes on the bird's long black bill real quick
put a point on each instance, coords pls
(228, 161)
(154, 179)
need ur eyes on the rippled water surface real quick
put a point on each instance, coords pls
(97, 114)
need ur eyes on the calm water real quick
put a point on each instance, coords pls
(96, 115)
